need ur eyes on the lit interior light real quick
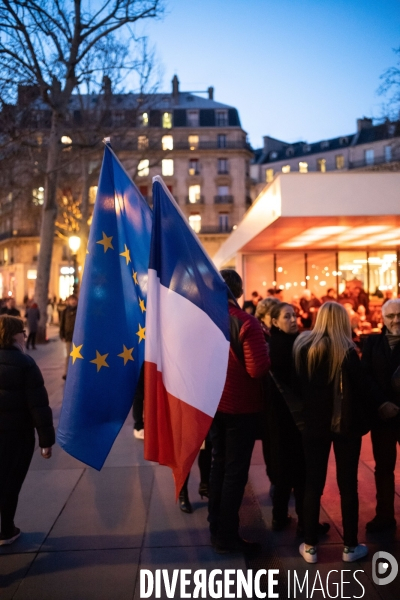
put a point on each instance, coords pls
(316, 277)
(322, 283)
(307, 277)
(303, 283)
(279, 269)
(281, 287)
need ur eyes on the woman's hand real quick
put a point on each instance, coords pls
(46, 452)
(388, 410)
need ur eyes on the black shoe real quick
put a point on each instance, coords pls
(184, 503)
(323, 529)
(239, 545)
(6, 540)
(278, 525)
(378, 524)
(203, 490)
(64, 377)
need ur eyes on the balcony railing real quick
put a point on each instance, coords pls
(378, 160)
(198, 200)
(213, 145)
(215, 229)
(223, 199)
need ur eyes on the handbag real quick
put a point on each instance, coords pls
(294, 403)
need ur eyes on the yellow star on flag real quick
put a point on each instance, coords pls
(142, 306)
(126, 254)
(134, 275)
(100, 360)
(126, 354)
(76, 353)
(141, 333)
(106, 242)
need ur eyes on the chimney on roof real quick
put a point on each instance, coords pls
(106, 85)
(364, 123)
(175, 88)
(210, 93)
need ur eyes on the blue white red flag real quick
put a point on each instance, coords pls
(187, 340)
(108, 342)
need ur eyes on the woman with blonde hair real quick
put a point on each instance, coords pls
(334, 398)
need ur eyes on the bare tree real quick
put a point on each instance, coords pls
(390, 87)
(58, 45)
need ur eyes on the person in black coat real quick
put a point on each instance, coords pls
(24, 407)
(381, 359)
(334, 394)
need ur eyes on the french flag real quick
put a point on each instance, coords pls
(187, 340)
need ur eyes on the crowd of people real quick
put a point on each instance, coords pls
(295, 380)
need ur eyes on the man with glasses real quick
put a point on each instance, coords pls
(381, 359)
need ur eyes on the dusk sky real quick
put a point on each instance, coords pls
(295, 69)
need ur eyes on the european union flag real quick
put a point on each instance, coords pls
(108, 343)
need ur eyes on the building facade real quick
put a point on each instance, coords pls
(196, 144)
(372, 147)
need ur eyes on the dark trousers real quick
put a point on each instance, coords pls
(204, 462)
(384, 446)
(138, 403)
(287, 460)
(16, 451)
(347, 454)
(232, 438)
(31, 339)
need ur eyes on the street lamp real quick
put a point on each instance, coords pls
(74, 244)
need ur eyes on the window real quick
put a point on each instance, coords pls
(343, 141)
(221, 118)
(223, 219)
(273, 155)
(66, 140)
(195, 222)
(223, 166)
(306, 148)
(388, 153)
(192, 117)
(221, 140)
(223, 190)
(194, 167)
(369, 156)
(167, 167)
(167, 142)
(38, 196)
(118, 118)
(143, 168)
(269, 175)
(289, 152)
(167, 120)
(286, 169)
(92, 194)
(303, 167)
(339, 161)
(194, 194)
(5, 255)
(325, 144)
(142, 142)
(144, 119)
(193, 142)
(321, 165)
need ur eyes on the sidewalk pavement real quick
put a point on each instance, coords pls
(86, 534)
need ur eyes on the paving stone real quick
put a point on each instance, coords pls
(41, 500)
(81, 575)
(13, 568)
(167, 525)
(107, 509)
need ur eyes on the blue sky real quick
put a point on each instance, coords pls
(295, 69)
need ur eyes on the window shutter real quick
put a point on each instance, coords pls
(207, 117)
(179, 118)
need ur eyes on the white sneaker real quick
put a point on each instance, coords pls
(309, 555)
(352, 553)
(138, 434)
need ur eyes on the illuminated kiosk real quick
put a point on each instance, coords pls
(319, 231)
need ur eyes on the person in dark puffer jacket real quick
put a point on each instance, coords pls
(24, 407)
